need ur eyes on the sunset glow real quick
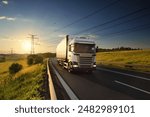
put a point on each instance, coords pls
(26, 45)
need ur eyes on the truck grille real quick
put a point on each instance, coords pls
(85, 60)
(85, 66)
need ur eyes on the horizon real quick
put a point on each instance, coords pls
(9, 53)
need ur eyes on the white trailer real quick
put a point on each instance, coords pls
(77, 54)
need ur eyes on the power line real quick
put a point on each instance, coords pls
(127, 15)
(56, 41)
(119, 18)
(111, 21)
(129, 30)
(87, 16)
(124, 22)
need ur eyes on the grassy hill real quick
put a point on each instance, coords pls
(133, 60)
(26, 84)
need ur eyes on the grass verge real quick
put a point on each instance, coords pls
(27, 84)
(138, 60)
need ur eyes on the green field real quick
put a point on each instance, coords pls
(24, 85)
(138, 60)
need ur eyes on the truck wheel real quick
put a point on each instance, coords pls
(58, 62)
(63, 66)
(70, 68)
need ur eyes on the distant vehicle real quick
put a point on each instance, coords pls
(77, 54)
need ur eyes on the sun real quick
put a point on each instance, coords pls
(26, 45)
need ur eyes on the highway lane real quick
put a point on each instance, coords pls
(107, 84)
(135, 79)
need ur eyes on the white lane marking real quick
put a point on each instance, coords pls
(132, 87)
(124, 74)
(66, 87)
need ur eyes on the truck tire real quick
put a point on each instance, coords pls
(70, 70)
(63, 66)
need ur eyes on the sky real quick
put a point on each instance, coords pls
(111, 23)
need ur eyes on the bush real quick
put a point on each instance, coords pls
(29, 60)
(2, 59)
(14, 68)
(38, 59)
(34, 59)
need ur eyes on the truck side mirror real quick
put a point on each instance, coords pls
(97, 49)
(69, 47)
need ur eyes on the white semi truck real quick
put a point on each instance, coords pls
(77, 54)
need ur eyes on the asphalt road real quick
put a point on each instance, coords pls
(107, 84)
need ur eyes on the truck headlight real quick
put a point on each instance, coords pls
(94, 64)
(75, 64)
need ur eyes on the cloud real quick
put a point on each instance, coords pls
(5, 2)
(62, 35)
(7, 18)
(11, 19)
(20, 17)
(2, 17)
(92, 36)
(25, 20)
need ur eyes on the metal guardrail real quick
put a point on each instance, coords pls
(51, 86)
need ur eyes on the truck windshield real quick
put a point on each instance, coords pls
(84, 48)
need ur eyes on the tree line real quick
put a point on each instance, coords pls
(117, 49)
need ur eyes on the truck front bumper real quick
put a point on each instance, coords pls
(84, 68)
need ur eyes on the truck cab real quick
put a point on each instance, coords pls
(81, 55)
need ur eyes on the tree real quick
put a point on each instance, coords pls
(34, 59)
(29, 60)
(38, 59)
(14, 68)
